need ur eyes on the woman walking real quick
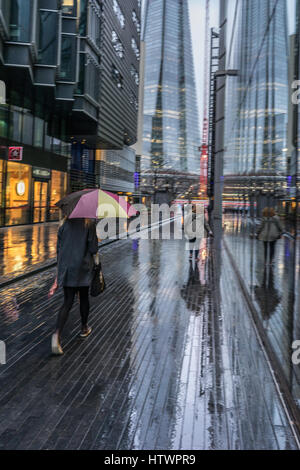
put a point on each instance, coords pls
(191, 226)
(269, 231)
(77, 248)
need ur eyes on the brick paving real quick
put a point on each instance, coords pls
(166, 367)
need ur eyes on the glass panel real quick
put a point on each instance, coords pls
(1, 182)
(17, 194)
(94, 23)
(40, 201)
(3, 121)
(27, 129)
(80, 84)
(38, 132)
(58, 190)
(68, 7)
(5, 7)
(48, 38)
(48, 138)
(56, 146)
(81, 7)
(68, 58)
(15, 127)
(20, 20)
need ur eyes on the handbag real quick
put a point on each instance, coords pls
(98, 282)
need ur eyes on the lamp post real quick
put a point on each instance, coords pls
(220, 84)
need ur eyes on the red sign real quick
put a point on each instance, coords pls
(15, 153)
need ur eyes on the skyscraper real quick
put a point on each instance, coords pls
(171, 128)
(257, 102)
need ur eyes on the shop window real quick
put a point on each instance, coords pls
(21, 15)
(68, 58)
(58, 190)
(48, 37)
(17, 193)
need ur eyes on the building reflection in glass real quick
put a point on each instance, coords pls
(261, 166)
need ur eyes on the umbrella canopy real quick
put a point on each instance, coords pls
(95, 204)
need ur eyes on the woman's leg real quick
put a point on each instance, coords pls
(266, 250)
(272, 250)
(84, 305)
(69, 293)
(197, 254)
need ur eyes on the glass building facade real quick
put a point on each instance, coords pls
(261, 165)
(171, 129)
(60, 102)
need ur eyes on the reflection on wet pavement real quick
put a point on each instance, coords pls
(25, 248)
(165, 367)
(274, 289)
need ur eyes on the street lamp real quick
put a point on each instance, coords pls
(219, 101)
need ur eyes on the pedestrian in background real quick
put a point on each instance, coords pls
(77, 251)
(194, 242)
(269, 231)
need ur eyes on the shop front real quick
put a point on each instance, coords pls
(28, 194)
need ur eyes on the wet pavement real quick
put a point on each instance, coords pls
(26, 248)
(173, 361)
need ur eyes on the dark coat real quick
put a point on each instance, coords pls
(76, 244)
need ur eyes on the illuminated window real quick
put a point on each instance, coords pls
(17, 193)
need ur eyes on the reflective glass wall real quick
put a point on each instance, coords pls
(261, 165)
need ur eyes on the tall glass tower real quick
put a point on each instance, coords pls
(171, 127)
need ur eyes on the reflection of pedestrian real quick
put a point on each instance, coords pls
(193, 292)
(267, 296)
(269, 231)
(76, 244)
(194, 242)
